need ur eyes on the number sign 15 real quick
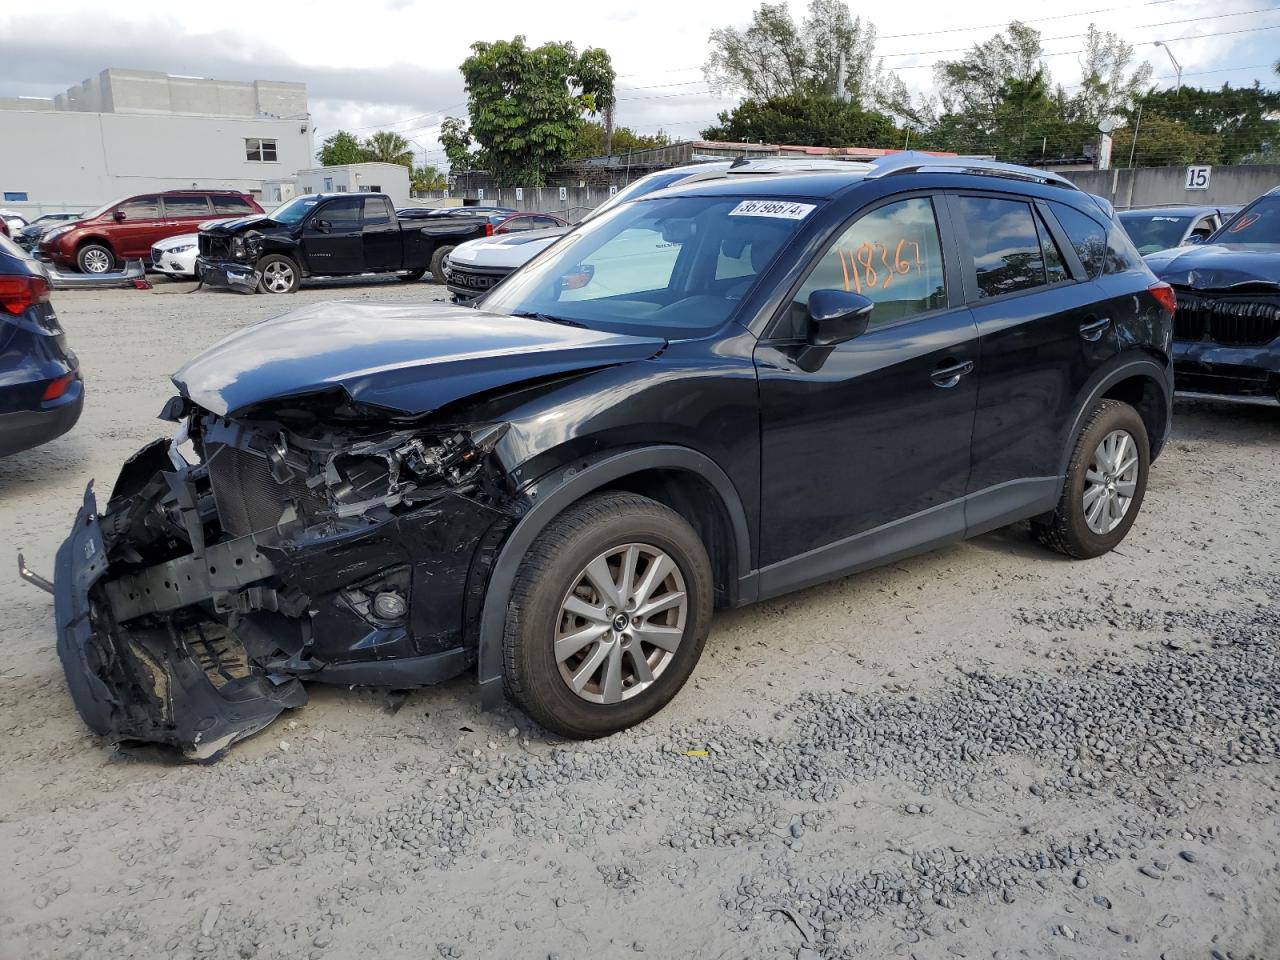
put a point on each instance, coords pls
(1198, 178)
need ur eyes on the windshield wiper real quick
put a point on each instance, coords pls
(548, 318)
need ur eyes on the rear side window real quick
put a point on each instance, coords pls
(232, 205)
(186, 207)
(377, 212)
(892, 256)
(1003, 238)
(1122, 256)
(1086, 235)
(141, 208)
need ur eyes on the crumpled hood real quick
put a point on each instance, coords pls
(234, 225)
(412, 358)
(1218, 266)
(509, 250)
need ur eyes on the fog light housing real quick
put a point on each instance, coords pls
(389, 605)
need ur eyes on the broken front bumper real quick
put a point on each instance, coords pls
(228, 273)
(143, 685)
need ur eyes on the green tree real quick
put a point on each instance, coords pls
(341, 148)
(591, 141)
(526, 105)
(388, 147)
(811, 121)
(975, 84)
(1162, 142)
(1244, 118)
(456, 141)
(1109, 86)
(427, 178)
(773, 56)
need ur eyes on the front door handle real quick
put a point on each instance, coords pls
(948, 373)
(1092, 329)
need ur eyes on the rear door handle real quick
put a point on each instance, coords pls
(948, 374)
(1092, 330)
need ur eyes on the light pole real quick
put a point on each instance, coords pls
(1177, 67)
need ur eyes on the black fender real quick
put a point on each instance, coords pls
(1118, 368)
(556, 491)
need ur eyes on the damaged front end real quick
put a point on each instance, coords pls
(307, 542)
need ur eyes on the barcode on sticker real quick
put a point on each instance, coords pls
(783, 209)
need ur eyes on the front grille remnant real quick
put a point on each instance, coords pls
(214, 248)
(1236, 320)
(248, 498)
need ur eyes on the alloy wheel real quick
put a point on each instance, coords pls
(278, 277)
(620, 623)
(96, 261)
(1110, 482)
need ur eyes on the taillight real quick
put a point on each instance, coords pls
(488, 229)
(18, 293)
(56, 388)
(1165, 297)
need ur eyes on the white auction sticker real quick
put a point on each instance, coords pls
(783, 209)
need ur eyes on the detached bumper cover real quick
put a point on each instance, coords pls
(1244, 374)
(133, 689)
(228, 273)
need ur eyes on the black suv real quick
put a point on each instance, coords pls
(715, 394)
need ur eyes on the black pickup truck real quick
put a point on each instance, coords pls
(327, 235)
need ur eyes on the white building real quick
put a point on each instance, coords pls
(130, 131)
(389, 178)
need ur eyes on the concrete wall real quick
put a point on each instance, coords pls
(1162, 186)
(53, 155)
(577, 201)
(389, 178)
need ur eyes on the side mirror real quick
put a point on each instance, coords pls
(835, 317)
(118, 216)
(321, 226)
(1194, 239)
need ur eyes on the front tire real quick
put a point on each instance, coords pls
(608, 616)
(277, 274)
(437, 263)
(1105, 484)
(94, 258)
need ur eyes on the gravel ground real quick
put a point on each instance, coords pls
(984, 752)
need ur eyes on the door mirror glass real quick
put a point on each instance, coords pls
(837, 316)
(320, 225)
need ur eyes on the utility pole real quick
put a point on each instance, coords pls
(1137, 124)
(1177, 67)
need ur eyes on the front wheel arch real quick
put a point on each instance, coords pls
(559, 490)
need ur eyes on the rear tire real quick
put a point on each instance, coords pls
(1105, 484)
(645, 637)
(437, 263)
(95, 258)
(277, 274)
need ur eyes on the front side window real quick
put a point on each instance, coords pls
(1086, 235)
(186, 207)
(260, 150)
(892, 256)
(1007, 256)
(342, 214)
(652, 267)
(141, 208)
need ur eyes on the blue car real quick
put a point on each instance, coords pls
(41, 392)
(1226, 333)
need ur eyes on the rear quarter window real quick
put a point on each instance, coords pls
(1087, 236)
(1122, 256)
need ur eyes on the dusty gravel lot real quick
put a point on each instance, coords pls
(988, 751)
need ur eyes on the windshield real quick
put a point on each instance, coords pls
(674, 267)
(294, 211)
(1154, 231)
(1257, 223)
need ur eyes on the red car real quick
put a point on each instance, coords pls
(125, 229)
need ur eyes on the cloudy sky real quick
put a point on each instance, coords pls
(393, 63)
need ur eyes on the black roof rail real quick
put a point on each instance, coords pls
(912, 162)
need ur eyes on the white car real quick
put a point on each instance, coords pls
(176, 256)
